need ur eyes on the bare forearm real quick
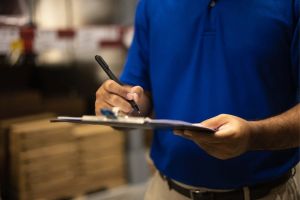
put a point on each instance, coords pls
(279, 132)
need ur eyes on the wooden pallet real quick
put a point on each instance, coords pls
(54, 161)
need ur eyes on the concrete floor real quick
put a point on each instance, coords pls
(129, 192)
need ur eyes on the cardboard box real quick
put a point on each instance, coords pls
(5, 165)
(59, 160)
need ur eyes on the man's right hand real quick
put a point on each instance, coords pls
(111, 94)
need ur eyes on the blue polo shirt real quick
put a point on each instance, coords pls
(238, 57)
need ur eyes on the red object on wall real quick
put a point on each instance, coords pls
(27, 35)
(66, 33)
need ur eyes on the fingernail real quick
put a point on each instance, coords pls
(187, 134)
(179, 135)
(135, 97)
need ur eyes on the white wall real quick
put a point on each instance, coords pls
(75, 13)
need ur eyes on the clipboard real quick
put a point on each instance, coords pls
(135, 123)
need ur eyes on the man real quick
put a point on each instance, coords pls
(193, 60)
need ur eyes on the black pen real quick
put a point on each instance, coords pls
(109, 73)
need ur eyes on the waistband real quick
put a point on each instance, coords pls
(255, 192)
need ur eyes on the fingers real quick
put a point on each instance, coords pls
(100, 105)
(224, 133)
(117, 101)
(215, 122)
(179, 133)
(112, 87)
(202, 137)
(230, 140)
(212, 148)
(216, 151)
(111, 94)
(220, 123)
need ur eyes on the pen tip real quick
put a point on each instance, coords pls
(137, 113)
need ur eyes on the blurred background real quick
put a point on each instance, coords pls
(47, 68)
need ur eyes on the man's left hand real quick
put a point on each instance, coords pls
(231, 139)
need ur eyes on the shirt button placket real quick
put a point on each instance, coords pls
(212, 3)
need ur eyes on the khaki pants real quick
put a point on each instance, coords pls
(158, 190)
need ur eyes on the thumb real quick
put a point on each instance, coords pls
(215, 122)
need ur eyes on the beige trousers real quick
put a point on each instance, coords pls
(158, 190)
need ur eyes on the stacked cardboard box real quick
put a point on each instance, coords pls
(101, 156)
(43, 157)
(60, 160)
(5, 157)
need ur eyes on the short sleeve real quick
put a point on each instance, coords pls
(295, 47)
(136, 69)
